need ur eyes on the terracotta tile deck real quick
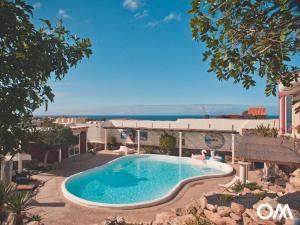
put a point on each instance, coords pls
(57, 210)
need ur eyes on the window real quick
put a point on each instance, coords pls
(74, 149)
(123, 134)
(289, 114)
(143, 135)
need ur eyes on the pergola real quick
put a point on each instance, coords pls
(179, 130)
(268, 150)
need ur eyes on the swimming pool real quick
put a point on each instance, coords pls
(138, 180)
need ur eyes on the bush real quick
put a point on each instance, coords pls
(252, 186)
(36, 217)
(148, 150)
(186, 154)
(166, 143)
(199, 220)
(266, 131)
(260, 195)
(17, 202)
(225, 198)
(238, 187)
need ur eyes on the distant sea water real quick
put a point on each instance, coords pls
(151, 117)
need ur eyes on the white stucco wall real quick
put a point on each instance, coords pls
(217, 124)
(193, 140)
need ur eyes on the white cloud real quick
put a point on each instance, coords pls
(37, 5)
(172, 16)
(63, 14)
(167, 19)
(153, 24)
(141, 15)
(131, 4)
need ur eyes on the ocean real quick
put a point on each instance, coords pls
(151, 117)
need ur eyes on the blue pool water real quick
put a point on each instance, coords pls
(134, 179)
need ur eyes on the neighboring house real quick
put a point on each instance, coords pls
(36, 151)
(288, 118)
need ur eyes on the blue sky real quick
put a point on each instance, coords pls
(143, 54)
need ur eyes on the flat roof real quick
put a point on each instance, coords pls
(270, 150)
(174, 129)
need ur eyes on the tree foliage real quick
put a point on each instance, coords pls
(53, 138)
(167, 142)
(29, 58)
(245, 39)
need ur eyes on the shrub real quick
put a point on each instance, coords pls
(35, 217)
(18, 202)
(238, 187)
(186, 154)
(260, 195)
(198, 220)
(225, 198)
(252, 186)
(167, 142)
(6, 189)
(148, 150)
(266, 131)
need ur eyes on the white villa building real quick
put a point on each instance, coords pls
(288, 118)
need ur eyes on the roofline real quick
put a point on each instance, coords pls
(175, 129)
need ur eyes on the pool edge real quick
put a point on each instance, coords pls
(168, 197)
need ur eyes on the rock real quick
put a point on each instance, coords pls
(247, 220)
(280, 194)
(270, 201)
(203, 202)
(235, 217)
(163, 218)
(276, 188)
(11, 219)
(180, 211)
(295, 181)
(113, 220)
(296, 173)
(179, 220)
(251, 213)
(223, 211)
(193, 208)
(256, 220)
(266, 200)
(237, 208)
(291, 188)
(214, 217)
(229, 221)
(211, 207)
(34, 223)
(290, 222)
(245, 191)
(121, 220)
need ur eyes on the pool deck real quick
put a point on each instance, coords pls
(56, 209)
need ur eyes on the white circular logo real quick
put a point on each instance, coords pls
(262, 206)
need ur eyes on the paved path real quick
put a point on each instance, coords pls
(57, 210)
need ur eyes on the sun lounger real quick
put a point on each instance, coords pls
(26, 187)
(124, 150)
(228, 187)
